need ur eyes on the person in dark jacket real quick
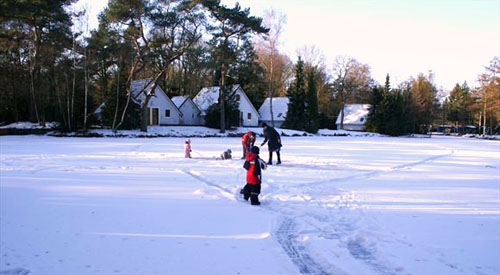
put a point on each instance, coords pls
(254, 166)
(273, 142)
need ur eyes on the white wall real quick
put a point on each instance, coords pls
(245, 108)
(352, 127)
(161, 102)
(190, 113)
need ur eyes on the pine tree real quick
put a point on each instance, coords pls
(459, 105)
(248, 73)
(311, 102)
(297, 98)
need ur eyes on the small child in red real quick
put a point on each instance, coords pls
(254, 166)
(247, 141)
(187, 148)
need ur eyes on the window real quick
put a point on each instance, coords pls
(249, 116)
(362, 119)
(167, 113)
(237, 97)
(279, 115)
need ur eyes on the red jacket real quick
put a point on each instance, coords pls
(246, 140)
(253, 173)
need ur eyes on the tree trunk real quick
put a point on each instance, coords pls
(484, 118)
(271, 90)
(85, 72)
(144, 120)
(222, 101)
(33, 97)
(67, 102)
(342, 109)
(61, 107)
(117, 100)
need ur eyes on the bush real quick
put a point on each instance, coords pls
(132, 116)
(325, 122)
(232, 115)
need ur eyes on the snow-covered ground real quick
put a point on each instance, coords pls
(337, 205)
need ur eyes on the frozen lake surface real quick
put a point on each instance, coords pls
(337, 205)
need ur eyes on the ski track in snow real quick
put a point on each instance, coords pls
(334, 224)
(15, 271)
(376, 173)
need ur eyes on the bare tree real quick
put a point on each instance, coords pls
(313, 57)
(342, 66)
(351, 79)
(269, 55)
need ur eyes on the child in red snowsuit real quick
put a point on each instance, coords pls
(254, 166)
(247, 141)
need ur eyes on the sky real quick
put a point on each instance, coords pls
(454, 39)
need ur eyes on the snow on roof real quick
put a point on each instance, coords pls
(179, 100)
(138, 85)
(209, 96)
(355, 114)
(280, 108)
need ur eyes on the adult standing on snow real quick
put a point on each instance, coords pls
(247, 141)
(273, 142)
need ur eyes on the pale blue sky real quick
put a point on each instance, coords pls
(453, 38)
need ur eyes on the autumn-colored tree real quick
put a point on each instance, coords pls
(424, 100)
(489, 96)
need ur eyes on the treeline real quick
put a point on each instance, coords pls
(53, 67)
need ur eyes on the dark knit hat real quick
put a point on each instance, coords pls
(255, 150)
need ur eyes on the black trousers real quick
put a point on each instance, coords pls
(271, 157)
(251, 191)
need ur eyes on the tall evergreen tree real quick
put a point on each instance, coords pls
(230, 23)
(311, 102)
(459, 105)
(388, 113)
(37, 32)
(248, 73)
(297, 98)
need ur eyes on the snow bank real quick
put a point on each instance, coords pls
(29, 125)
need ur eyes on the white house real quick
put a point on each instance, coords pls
(210, 95)
(280, 108)
(161, 110)
(355, 116)
(191, 114)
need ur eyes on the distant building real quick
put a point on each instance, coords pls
(191, 114)
(161, 110)
(210, 95)
(355, 116)
(280, 108)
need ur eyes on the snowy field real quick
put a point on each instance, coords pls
(337, 205)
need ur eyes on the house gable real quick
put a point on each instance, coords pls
(280, 109)
(168, 113)
(355, 115)
(190, 112)
(210, 95)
